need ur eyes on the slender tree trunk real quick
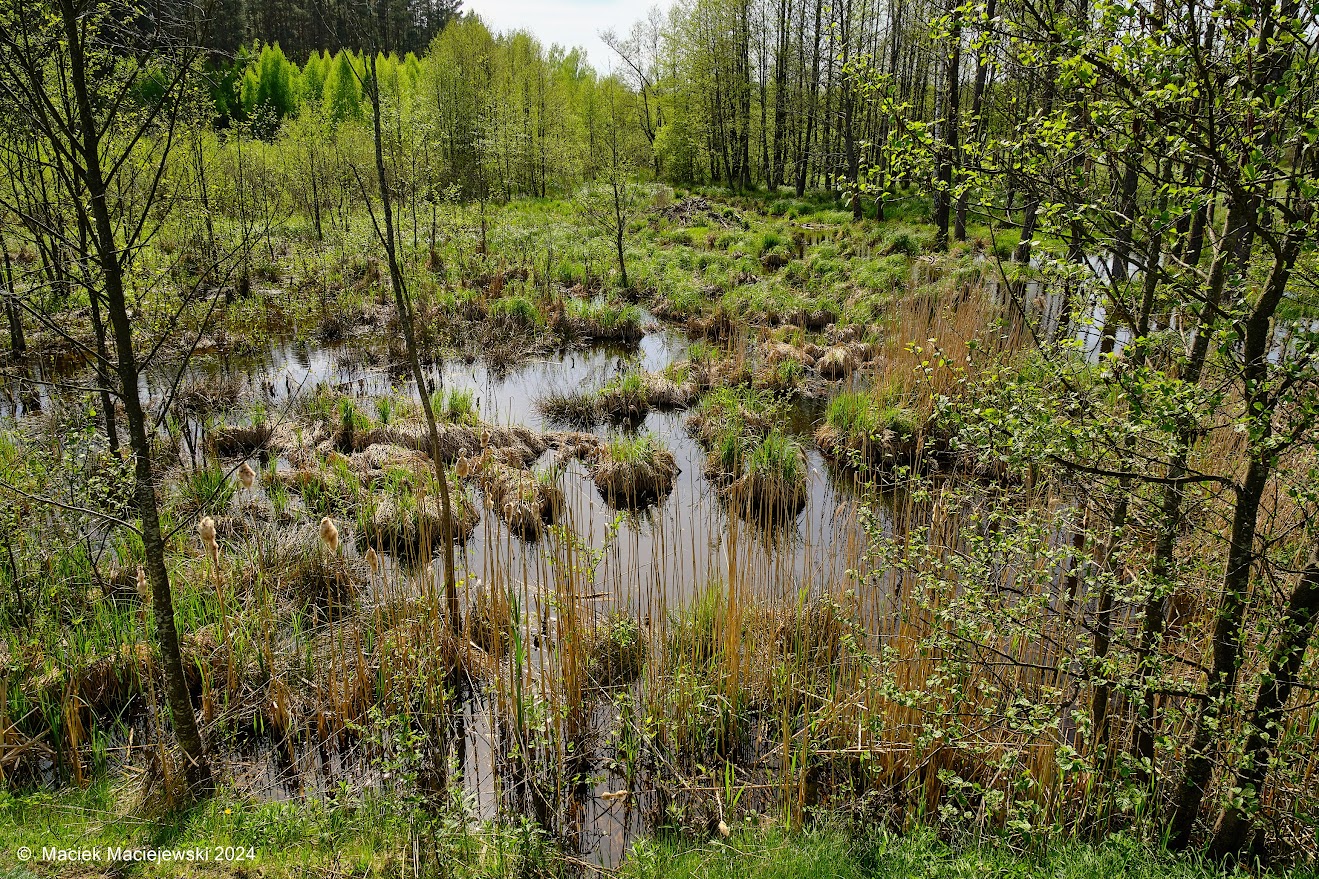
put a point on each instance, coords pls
(104, 373)
(618, 244)
(813, 100)
(1170, 507)
(197, 769)
(1126, 211)
(782, 22)
(1103, 637)
(17, 341)
(1222, 679)
(952, 119)
(977, 118)
(1267, 718)
(404, 308)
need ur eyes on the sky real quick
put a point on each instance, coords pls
(566, 22)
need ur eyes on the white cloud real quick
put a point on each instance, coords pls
(566, 22)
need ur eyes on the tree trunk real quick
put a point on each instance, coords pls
(17, 341)
(1241, 549)
(977, 118)
(196, 767)
(812, 100)
(103, 374)
(1267, 718)
(952, 118)
(404, 308)
(1170, 508)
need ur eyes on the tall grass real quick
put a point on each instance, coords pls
(945, 677)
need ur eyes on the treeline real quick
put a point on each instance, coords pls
(302, 27)
(485, 114)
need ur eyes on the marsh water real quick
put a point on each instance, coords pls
(649, 561)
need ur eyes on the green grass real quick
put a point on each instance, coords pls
(206, 490)
(456, 406)
(775, 853)
(862, 414)
(606, 320)
(518, 310)
(365, 835)
(349, 834)
(778, 457)
(640, 449)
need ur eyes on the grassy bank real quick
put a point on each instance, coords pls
(773, 853)
(377, 836)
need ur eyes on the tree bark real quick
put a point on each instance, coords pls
(404, 308)
(952, 119)
(1267, 718)
(197, 769)
(17, 341)
(1241, 549)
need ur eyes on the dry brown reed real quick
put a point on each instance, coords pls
(241, 440)
(635, 479)
(527, 502)
(406, 526)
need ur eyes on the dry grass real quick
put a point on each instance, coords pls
(525, 500)
(634, 471)
(240, 441)
(299, 566)
(512, 443)
(627, 398)
(407, 525)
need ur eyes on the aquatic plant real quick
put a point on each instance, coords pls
(634, 470)
(204, 490)
(866, 429)
(456, 406)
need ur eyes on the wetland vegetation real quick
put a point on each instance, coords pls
(461, 462)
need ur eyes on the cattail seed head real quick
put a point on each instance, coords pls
(724, 830)
(330, 534)
(206, 528)
(246, 475)
(373, 560)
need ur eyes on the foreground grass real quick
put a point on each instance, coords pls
(348, 835)
(773, 853)
(384, 836)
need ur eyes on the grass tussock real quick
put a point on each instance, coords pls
(512, 443)
(527, 501)
(492, 619)
(770, 643)
(406, 523)
(600, 321)
(629, 397)
(772, 480)
(240, 441)
(299, 566)
(634, 471)
(616, 651)
(759, 467)
(865, 429)
(456, 406)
